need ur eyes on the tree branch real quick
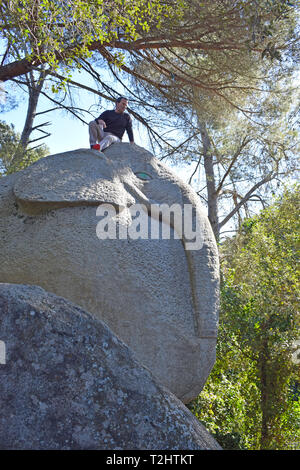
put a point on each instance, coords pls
(234, 158)
(246, 198)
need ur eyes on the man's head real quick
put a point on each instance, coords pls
(121, 104)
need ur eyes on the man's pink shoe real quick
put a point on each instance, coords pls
(96, 147)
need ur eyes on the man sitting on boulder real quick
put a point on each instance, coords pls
(115, 122)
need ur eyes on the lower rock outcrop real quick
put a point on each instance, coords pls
(67, 382)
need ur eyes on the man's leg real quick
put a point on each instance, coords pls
(108, 140)
(96, 133)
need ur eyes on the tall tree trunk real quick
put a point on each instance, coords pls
(34, 94)
(34, 91)
(212, 196)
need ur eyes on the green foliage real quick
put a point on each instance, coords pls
(228, 406)
(48, 30)
(9, 147)
(248, 395)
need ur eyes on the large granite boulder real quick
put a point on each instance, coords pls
(67, 382)
(159, 295)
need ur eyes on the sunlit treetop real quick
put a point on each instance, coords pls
(55, 32)
(49, 30)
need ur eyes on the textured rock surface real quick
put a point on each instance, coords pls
(159, 297)
(70, 383)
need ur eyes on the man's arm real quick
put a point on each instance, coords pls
(129, 130)
(101, 119)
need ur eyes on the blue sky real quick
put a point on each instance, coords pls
(67, 132)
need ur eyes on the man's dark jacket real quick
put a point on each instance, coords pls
(117, 123)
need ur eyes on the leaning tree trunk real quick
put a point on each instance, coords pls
(212, 196)
(34, 91)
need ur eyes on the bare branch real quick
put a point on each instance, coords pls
(38, 138)
(233, 160)
(246, 198)
(197, 166)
